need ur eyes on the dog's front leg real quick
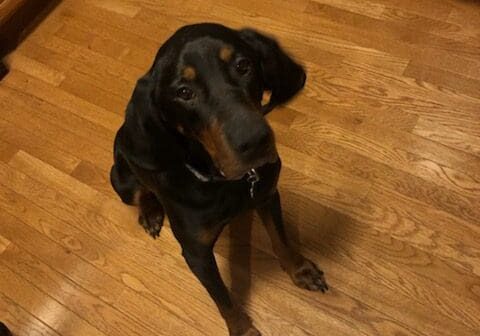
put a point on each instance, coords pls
(304, 273)
(197, 250)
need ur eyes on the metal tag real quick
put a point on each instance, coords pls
(252, 178)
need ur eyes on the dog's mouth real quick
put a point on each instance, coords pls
(232, 163)
(242, 170)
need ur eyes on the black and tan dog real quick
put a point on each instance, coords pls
(195, 145)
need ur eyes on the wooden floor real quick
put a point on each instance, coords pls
(381, 178)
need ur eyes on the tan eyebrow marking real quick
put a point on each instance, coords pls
(189, 73)
(226, 53)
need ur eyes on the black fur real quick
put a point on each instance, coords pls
(4, 330)
(3, 70)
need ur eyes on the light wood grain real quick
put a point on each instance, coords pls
(22, 321)
(380, 182)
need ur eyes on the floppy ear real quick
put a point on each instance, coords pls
(281, 74)
(143, 138)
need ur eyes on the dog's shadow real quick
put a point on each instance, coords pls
(308, 224)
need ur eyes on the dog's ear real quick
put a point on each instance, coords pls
(281, 74)
(144, 138)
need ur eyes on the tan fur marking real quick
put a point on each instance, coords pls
(180, 129)
(267, 95)
(206, 138)
(136, 197)
(207, 236)
(189, 73)
(226, 53)
(213, 139)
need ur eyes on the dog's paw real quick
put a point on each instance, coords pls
(252, 331)
(240, 324)
(152, 222)
(308, 276)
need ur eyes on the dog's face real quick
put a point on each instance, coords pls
(208, 86)
(213, 94)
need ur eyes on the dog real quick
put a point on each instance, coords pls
(195, 146)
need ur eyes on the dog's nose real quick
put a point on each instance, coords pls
(253, 142)
(253, 139)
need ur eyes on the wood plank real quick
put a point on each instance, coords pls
(21, 322)
(42, 306)
(43, 148)
(367, 83)
(4, 242)
(303, 45)
(328, 27)
(444, 79)
(379, 211)
(428, 8)
(95, 61)
(69, 294)
(117, 27)
(59, 117)
(430, 24)
(371, 211)
(121, 7)
(7, 151)
(454, 202)
(465, 13)
(402, 150)
(103, 301)
(74, 67)
(65, 140)
(367, 8)
(448, 136)
(93, 93)
(26, 84)
(89, 174)
(35, 69)
(44, 56)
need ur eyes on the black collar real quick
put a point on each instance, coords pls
(199, 175)
(251, 177)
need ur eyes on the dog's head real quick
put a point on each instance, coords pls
(204, 93)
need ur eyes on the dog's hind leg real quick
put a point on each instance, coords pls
(132, 192)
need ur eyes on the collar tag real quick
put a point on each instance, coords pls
(252, 178)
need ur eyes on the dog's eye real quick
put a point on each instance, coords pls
(243, 66)
(185, 93)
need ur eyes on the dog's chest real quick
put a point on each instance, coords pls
(220, 201)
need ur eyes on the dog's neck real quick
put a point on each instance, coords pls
(251, 177)
(201, 165)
